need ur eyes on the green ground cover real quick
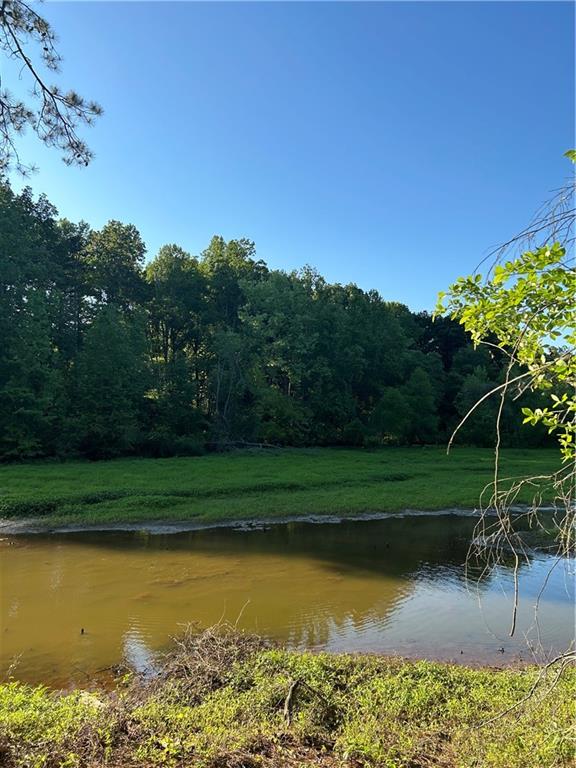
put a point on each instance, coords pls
(261, 484)
(223, 700)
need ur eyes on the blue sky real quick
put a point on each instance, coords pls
(387, 144)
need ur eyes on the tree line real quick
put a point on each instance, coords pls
(105, 354)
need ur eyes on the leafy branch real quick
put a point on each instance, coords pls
(525, 307)
(54, 116)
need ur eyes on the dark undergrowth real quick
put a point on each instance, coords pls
(220, 699)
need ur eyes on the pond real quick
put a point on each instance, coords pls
(73, 604)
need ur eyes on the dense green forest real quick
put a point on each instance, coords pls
(105, 353)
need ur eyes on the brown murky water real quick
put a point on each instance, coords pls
(394, 586)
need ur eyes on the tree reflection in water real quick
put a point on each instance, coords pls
(395, 585)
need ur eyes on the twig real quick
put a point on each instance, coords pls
(288, 701)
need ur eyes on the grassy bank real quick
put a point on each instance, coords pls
(260, 485)
(221, 699)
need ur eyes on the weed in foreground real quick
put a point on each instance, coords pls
(223, 698)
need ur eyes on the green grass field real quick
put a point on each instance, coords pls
(257, 485)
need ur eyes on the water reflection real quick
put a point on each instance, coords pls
(136, 653)
(395, 585)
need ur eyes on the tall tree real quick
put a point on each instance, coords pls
(111, 380)
(419, 394)
(177, 332)
(28, 299)
(114, 258)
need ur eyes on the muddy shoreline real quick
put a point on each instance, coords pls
(26, 526)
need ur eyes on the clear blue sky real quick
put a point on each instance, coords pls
(387, 144)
